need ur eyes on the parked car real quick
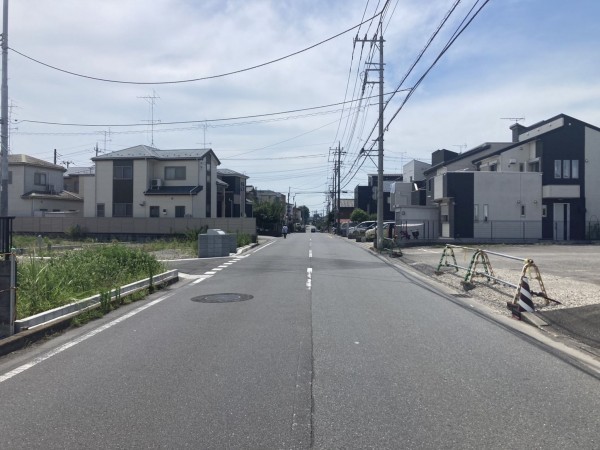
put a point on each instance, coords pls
(345, 227)
(359, 230)
(388, 231)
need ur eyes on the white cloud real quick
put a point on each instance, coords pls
(531, 59)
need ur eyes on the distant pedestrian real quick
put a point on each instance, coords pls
(284, 230)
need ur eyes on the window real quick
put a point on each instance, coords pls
(557, 168)
(566, 169)
(123, 172)
(154, 211)
(575, 169)
(180, 211)
(522, 210)
(39, 179)
(123, 210)
(430, 184)
(544, 211)
(493, 167)
(100, 210)
(521, 167)
(534, 166)
(175, 173)
(476, 213)
(485, 212)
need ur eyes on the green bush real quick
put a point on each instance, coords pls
(44, 284)
(243, 239)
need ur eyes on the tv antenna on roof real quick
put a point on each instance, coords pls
(460, 147)
(514, 119)
(151, 99)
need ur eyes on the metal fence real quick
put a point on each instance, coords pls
(499, 230)
(417, 229)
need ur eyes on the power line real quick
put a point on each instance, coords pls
(184, 122)
(234, 72)
(460, 29)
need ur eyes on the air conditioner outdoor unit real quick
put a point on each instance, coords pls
(156, 183)
(512, 161)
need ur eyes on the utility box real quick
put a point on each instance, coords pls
(216, 243)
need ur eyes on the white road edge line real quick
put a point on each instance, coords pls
(264, 246)
(74, 342)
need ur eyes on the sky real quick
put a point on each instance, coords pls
(279, 84)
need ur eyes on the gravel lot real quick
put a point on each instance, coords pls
(568, 272)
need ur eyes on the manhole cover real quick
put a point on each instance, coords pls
(222, 298)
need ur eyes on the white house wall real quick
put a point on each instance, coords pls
(505, 193)
(413, 170)
(54, 179)
(401, 194)
(87, 189)
(104, 186)
(16, 205)
(592, 171)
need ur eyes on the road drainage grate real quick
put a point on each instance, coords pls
(222, 298)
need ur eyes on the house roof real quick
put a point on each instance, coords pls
(64, 195)
(27, 160)
(231, 173)
(533, 138)
(146, 152)
(469, 154)
(174, 190)
(80, 171)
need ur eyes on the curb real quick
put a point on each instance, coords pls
(27, 337)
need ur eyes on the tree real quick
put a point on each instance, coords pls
(268, 215)
(305, 212)
(359, 215)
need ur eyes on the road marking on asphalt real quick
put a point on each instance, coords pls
(310, 253)
(263, 247)
(198, 280)
(74, 342)
(209, 273)
(309, 278)
(216, 269)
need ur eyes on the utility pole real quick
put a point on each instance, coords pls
(4, 126)
(378, 42)
(336, 186)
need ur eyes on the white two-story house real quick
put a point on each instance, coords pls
(36, 188)
(143, 181)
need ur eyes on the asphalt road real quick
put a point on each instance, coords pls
(333, 348)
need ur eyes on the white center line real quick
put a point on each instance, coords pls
(310, 253)
(309, 278)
